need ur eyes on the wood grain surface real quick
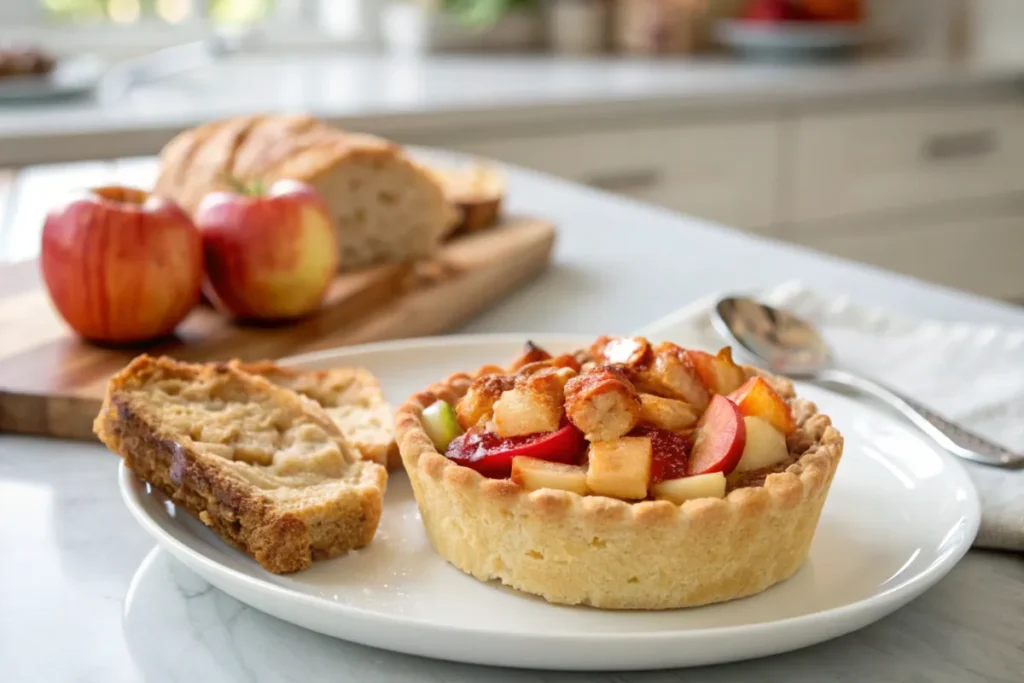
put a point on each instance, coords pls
(51, 382)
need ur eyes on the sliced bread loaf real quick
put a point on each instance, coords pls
(385, 206)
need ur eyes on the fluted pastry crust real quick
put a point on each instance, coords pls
(607, 553)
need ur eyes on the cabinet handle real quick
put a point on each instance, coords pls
(624, 181)
(966, 145)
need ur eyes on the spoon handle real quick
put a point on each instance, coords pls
(949, 435)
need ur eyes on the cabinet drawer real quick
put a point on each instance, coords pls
(851, 163)
(720, 172)
(981, 255)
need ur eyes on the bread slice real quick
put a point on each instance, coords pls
(476, 192)
(352, 397)
(384, 206)
(262, 466)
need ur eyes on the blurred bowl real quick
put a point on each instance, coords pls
(72, 76)
(790, 41)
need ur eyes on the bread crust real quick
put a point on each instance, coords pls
(611, 554)
(324, 517)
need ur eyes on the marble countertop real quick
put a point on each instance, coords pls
(85, 597)
(396, 96)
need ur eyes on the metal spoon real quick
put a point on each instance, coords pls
(792, 347)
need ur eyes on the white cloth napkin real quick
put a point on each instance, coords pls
(969, 373)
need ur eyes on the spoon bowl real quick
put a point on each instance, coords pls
(787, 344)
(791, 346)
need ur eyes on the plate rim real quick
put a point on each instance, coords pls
(874, 607)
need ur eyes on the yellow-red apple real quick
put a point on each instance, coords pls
(269, 256)
(121, 265)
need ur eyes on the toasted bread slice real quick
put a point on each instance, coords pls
(351, 397)
(262, 466)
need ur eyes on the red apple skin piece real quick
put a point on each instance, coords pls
(491, 456)
(121, 266)
(270, 257)
(756, 398)
(720, 437)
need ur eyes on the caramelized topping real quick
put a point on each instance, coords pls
(632, 352)
(531, 353)
(602, 403)
(477, 406)
(563, 361)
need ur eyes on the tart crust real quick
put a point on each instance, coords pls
(611, 554)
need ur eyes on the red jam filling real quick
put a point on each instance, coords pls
(669, 452)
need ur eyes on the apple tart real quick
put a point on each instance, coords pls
(625, 476)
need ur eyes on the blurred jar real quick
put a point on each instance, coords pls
(579, 26)
(652, 27)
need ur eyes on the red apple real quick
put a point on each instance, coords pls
(765, 10)
(851, 11)
(721, 436)
(121, 265)
(268, 256)
(776, 11)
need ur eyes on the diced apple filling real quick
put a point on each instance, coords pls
(667, 413)
(603, 404)
(719, 373)
(520, 411)
(670, 374)
(620, 468)
(477, 406)
(689, 488)
(533, 474)
(757, 398)
(766, 446)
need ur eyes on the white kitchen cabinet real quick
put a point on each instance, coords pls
(723, 172)
(846, 163)
(981, 253)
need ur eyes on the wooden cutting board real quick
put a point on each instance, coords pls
(51, 382)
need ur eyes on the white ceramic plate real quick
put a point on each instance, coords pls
(899, 516)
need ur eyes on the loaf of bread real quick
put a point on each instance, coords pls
(476, 192)
(262, 466)
(385, 206)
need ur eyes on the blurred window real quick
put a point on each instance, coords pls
(166, 11)
(344, 20)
